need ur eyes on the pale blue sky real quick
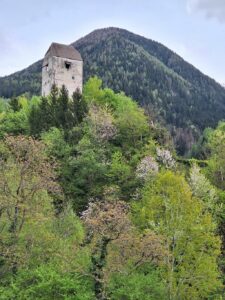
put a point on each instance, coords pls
(195, 29)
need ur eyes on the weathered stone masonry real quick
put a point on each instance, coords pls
(62, 65)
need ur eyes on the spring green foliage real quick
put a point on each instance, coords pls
(137, 286)
(46, 282)
(211, 147)
(94, 205)
(172, 90)
(217, 159)
(204, 190)
(169, 208)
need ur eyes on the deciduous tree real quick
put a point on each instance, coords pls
(169, 209)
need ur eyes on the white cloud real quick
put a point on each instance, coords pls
(211, 8)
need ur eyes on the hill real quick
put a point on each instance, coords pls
(172, 90)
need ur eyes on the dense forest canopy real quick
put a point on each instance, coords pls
(171, 90)
(96, 204)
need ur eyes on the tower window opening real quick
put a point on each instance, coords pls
(67, 65)
(46, 66)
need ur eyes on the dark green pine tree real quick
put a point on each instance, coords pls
(63, 114)
(45, 114)
(54, 103)
(34, 121)
(79, 107)
(58, 110)
(40, 118)
(14, 104)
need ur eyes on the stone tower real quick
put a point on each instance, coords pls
(62, 65)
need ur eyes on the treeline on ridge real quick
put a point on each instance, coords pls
(171, 90)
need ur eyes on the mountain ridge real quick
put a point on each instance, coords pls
(174, 92)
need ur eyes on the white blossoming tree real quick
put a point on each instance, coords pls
(165, 157)
(102, 123)
(202, 188)
(147, 167)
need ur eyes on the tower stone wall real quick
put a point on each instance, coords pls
(62, 66)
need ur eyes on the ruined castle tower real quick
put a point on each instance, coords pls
(62, 65)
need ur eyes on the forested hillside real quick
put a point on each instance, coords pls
(172, 91)
(96, 205)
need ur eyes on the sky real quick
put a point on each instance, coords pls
(195, 29)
